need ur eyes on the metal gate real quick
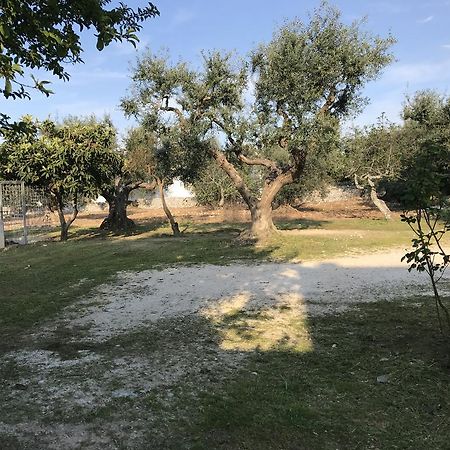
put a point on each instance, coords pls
(22, 209)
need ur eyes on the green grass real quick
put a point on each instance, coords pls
(313, 385)
(329, 398)
(38, 280)
(320, 398)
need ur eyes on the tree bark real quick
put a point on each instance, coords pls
(260, 209)
(262, 222)
(65, 225)
(173, 223)
(222, 198)
(118, 200)
(380, 204)
(117, 219)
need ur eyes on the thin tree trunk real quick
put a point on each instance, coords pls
(65, 225)
(380, 204)
(173, 223)
(222, 197)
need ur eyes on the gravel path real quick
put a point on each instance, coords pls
(323, 287)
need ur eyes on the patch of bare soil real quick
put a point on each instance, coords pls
(354, 207)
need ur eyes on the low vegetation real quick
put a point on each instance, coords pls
(63, 272)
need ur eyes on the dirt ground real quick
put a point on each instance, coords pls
(148, 334)
(350, 208)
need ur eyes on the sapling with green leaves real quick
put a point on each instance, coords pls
(427, 190)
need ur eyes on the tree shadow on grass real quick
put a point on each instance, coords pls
(239, 372)
(302, 224)
(330, 398)
(149, 228)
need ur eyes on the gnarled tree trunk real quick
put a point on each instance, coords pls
(260, 209)
(118, 201)
(117, 219)
(262, 224)
(173, 223)
(380, 204)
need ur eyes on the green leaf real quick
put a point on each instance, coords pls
(8, 87)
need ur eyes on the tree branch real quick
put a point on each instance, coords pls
(177, 111)
(234, 176)
(225, 130)
(329, 102)
(258, 162)
(282, 140)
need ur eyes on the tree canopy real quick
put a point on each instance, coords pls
(45, 35)
(279, 110)
(69, 161)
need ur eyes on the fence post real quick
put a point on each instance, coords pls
(24, 212)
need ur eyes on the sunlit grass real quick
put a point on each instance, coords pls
(279, 326)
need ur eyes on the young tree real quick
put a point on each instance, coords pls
(427, 189)
(69, 161)
(375, 154)
(305, 81)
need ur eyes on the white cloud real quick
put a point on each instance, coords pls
(426, 20)
(418, 73)
(446, 46)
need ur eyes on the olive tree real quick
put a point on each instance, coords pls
(302, 83)
(137, 167)
(146, 165)
(212, 186)
(375, 154)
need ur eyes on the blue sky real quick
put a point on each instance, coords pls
(185, 28)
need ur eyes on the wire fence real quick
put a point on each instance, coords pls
(24, 213)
